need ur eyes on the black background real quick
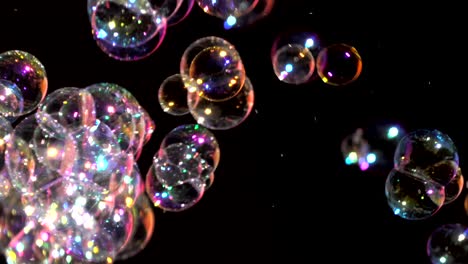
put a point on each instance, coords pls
(282, 193)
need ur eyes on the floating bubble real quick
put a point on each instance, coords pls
(11, 99)
(339, 64)
(175, 198)
(356, 150)
(262, 9)
(293, 64)
(225, 8)
(196, 137)
(411, 196)
(307, 39)
(448, 244)
(454, 188)
(24, 71)
(213, 67)
(172, 96)
(428, 152)
(127, 30)
(225, 114)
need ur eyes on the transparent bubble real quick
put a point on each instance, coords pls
(225, 8)
(448, 244)
(428, 152)
(411, 196)
(66, 110)
(218, 72)
(11, 99)
(454, 188)
(179, 162)
(293, 64)
(175, 11)
(175, 198)
(127, 30)
(339, 64)
(195, 137)
(225, 114)
(144, 220)
(355, 149)
(262, 9)
(226, 68)
(28, 74)
(172, 96)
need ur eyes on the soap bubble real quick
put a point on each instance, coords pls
(172, 96)
(448, 244)
(293, 64)
(339, 64)
(413, 197)
(24, 71)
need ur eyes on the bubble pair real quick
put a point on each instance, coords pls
(212, 85)
(426, 175)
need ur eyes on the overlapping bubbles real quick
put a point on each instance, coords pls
(299, 57)
(132, 30)
(212, 85)
(426, 175)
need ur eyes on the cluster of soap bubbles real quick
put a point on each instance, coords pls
(71, 188)
(296, 56)
(183, 168)
(237, 13)
(448, 244)
(358, 148)
(130, 30)
(426, 175)
(212, 85)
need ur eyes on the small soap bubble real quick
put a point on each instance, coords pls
(339, 64)
(448, 244)
(172, 96)
(293, 64)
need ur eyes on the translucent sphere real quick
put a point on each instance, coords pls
(225, 114)
(225, 8)
(218, 72)
(293, 64)
(213, 67)
(428, 152)
(339, 64)
(19, 69)
(448, 244)
(172, 96)
(412, 197)
(127, 30)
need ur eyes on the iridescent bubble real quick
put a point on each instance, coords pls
(143, 220)
(127, 30)
(175, 198)
(411, 196)
(339, 64)
(66, 110)
(225, 8)
(225, 114)
(448, 244)
(224, 75)
(454, 188)
(429, 153)
(175, 11)
(172, 96)
(28, 74)
(293, 64)
(11, 99)
(218, 72)
(356, 150)
(178, 162)
(196, 137)
(262, 9)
